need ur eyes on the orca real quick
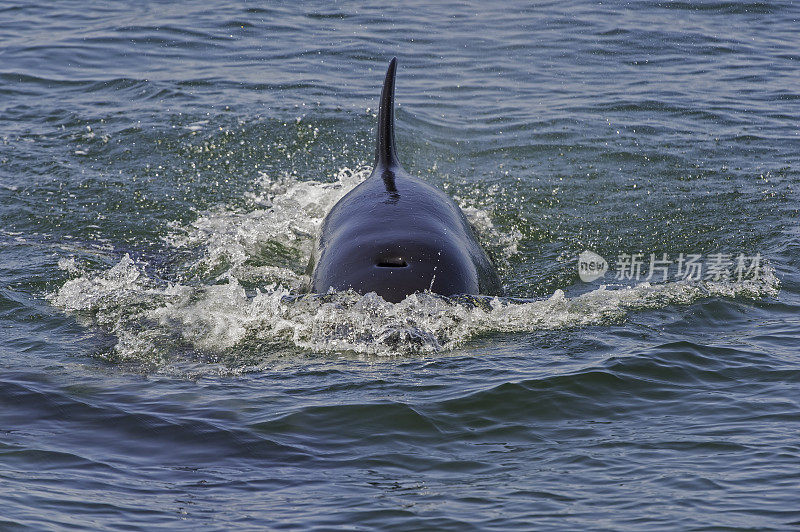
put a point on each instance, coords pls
(395, 235)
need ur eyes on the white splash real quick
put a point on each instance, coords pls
(216, 313)
(288, 216)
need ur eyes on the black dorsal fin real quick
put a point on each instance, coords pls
(385, 154)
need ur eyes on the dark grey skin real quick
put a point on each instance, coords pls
(396, 235)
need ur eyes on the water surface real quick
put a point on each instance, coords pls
(164, 169)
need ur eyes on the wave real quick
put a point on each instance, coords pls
(238, 298)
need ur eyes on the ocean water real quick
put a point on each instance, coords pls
(164, 168)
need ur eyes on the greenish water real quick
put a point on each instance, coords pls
(164, 169)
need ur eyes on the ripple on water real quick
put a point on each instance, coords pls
(163, 171)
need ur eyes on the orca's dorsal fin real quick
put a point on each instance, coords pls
(385, 154)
